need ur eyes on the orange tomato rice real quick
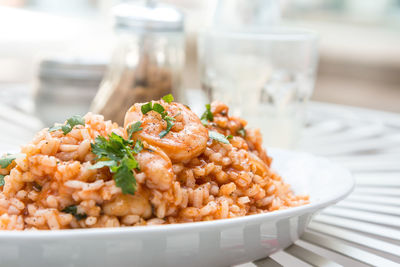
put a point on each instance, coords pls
(209, 180)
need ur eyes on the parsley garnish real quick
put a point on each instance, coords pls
(147, 107)
(114, 148)
(37, 187)
(71, 123)
(207, 115)
(103, 163)
(74, 211)
(133, 128)
(138, 146)
(219, 137)
(242, 132)
(168, 98)
(164, 115)
(5, 162)
(229, 136)
(159, 109)
(117, 154)
(124, 177)
(8, 159)
(169, 126)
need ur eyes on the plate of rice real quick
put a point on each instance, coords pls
(167, 188)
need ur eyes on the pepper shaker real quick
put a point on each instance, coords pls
(147, 61)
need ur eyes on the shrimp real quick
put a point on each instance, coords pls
(127, 204)
(157, 167)
(187, 138)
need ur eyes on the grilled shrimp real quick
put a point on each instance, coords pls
(157, 167)
(187, 138)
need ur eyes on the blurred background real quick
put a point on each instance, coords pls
(359, 48)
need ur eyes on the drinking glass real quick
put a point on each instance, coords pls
(267, 78)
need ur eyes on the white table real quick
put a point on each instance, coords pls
(362, 230)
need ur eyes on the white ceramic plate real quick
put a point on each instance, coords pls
(214, 243)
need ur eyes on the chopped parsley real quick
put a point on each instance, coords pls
(103, 163)
(133, 128)
(8, 159)
(117, 154)
(219, 137)
(147, 107)
(2, 182)
(160, 110)
(74, 211)
(242, 132)
(169, 126)
(229, 136)
(71, 123)
(124, 177)
(207, 115)
(138, 146)
(37, 187)
(168, 98)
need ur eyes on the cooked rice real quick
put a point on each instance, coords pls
(225, 181)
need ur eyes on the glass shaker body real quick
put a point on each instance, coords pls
(65, 86)
(144, 66)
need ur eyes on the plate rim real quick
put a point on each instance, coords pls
(197, 226)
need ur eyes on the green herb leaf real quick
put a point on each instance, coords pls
(71, 123)
(124, 177)
(168, 98)
(229, 137)
(168, 118)
(169, 126)
(163, 133)
(207, 115)
(74, 211)
(114, 148)
(8, 159)
(76, 120)
(80, 216)
(154, 107)
(147, 107)
(117, 154)
(158, 108)
(2, 182)
(138, 146)
(70, 209)
(66, 129)
(101, 164)
(37, 187)
(242, 132)
(133, 128)
(217, 136)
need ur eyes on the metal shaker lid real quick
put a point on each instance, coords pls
(71, 68)
(148, 16)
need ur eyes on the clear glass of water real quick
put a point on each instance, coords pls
(267, 78)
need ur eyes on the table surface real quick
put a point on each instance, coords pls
(362, 230)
